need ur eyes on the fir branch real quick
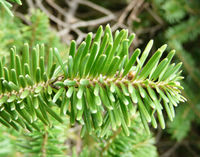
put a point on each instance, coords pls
(97, 86)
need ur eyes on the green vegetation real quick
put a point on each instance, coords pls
(99, 95)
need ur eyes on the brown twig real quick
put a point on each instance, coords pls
(127, 10)
(51, 16)
(154, 15)
(93, 22)
(86, 24)
(130, 13)
(95, 6)
(56, 7)
(186, 144)
(169, 152)
(134, 13)
(22, 17)
(30, 5)
(73, 5)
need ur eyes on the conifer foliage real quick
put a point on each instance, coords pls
(182, 33)
(7, 5)
(138, 144)
(97, 85)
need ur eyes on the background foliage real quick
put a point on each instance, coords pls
(174, 22)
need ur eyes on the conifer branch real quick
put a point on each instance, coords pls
(98, 85)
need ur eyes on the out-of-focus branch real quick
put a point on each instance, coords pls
(70, 14)
(51, 16)
(94, 22)
(154, 15)
(70, 22)
(22, 17)
(30, 5)
(169, 152)
(127, 10)
(95, 6)
(56, 7)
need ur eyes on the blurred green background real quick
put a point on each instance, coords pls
(175, 22)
